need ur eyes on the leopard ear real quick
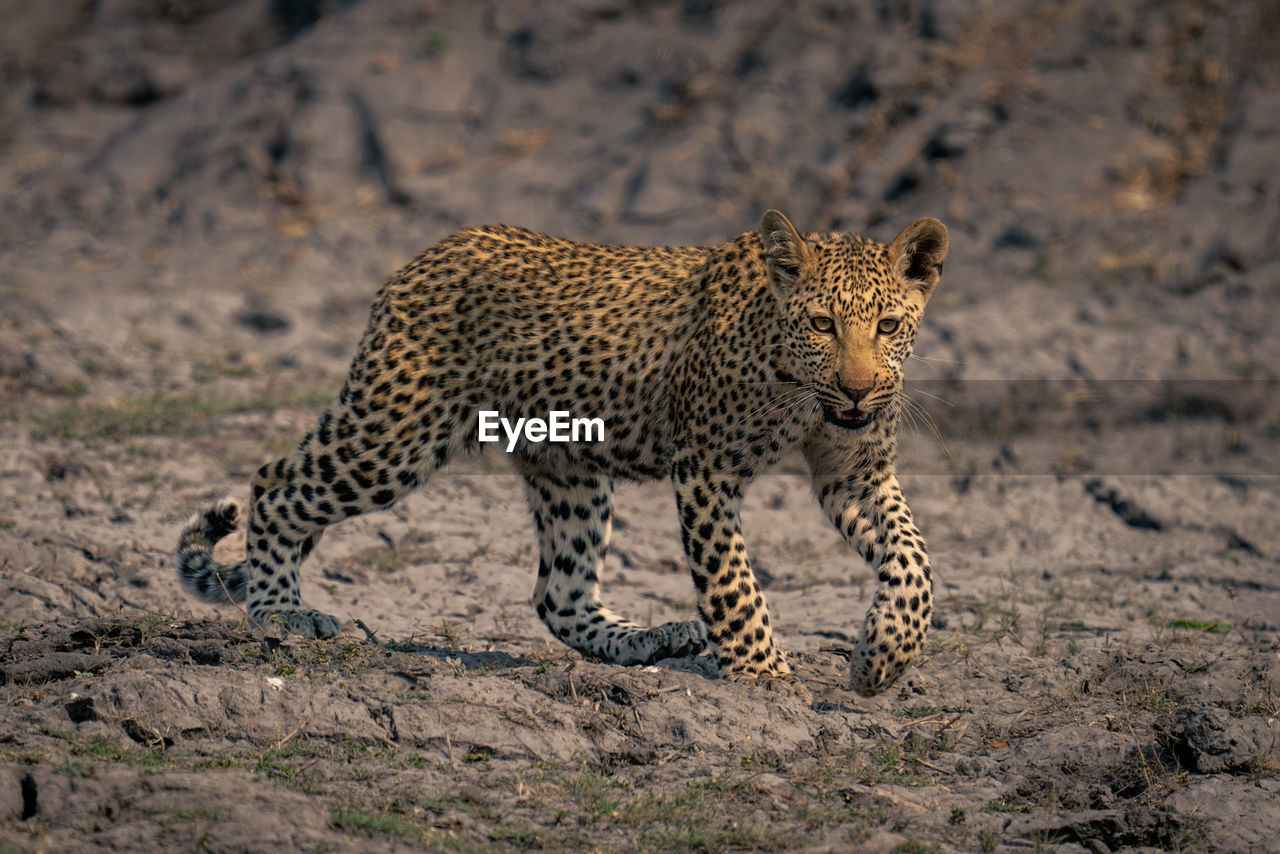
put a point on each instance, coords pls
(916, 254)
(786, 253)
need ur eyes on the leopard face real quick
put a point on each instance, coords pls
(851, 308)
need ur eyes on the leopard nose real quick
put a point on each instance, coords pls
(855, 395)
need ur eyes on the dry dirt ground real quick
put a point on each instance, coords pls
(199, 201)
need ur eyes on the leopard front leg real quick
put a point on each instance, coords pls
(729, 597)
(574, 518)
(868, 508)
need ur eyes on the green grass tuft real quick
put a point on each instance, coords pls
(1216, 627)
(158, 415)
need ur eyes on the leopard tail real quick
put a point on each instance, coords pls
(201, 575)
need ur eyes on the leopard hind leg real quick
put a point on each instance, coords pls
(346, 466)
(573, 515)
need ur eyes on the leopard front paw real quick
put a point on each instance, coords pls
(872, 670)
(303, 622)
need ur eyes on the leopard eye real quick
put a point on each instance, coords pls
(888, 326)
(822, 323)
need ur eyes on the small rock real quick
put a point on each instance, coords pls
(166, 648)
(207, 652)
(1220, 743)
(1128, 511)
(263, 320)
(81, 710)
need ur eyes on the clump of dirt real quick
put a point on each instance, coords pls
(196, 733)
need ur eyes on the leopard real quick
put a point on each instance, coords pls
(706, 364)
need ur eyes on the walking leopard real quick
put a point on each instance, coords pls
(706, 364)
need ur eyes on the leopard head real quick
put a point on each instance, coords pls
(851, 308)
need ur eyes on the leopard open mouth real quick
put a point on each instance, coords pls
(852, 418)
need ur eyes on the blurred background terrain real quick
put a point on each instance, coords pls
(201, 198)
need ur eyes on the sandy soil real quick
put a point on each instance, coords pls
(201, 199)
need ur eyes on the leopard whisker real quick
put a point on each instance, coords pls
(913, 408)
(787, 405)
(794, 409)
(941, 400)
(937, 359)
(773, 401)
(784, 404)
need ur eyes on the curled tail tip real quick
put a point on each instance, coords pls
(228, 512)
(225, 514)
(199, 573)
(206, 527)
